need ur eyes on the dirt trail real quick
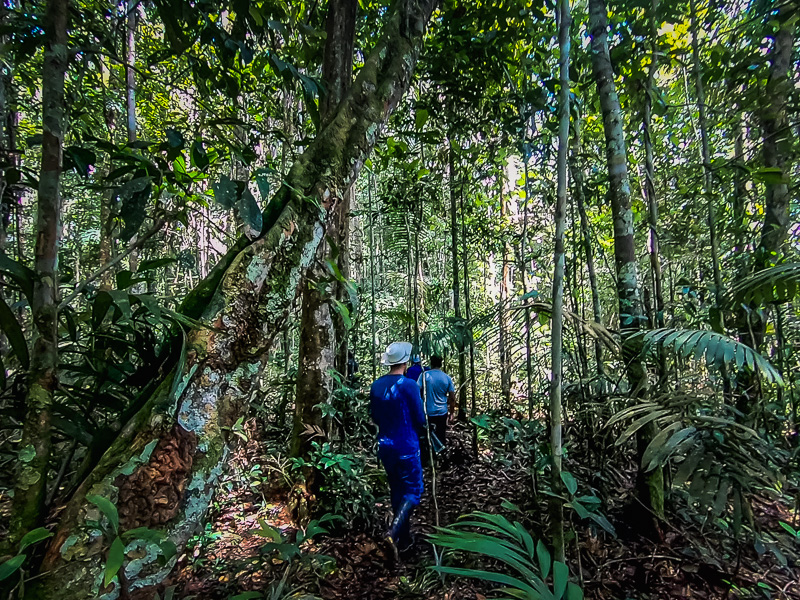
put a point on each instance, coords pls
(230, 560)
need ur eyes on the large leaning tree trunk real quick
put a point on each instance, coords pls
(31, 481)
(650, 485)
(320, 337)
(162, 469)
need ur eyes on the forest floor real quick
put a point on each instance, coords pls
(684, 561)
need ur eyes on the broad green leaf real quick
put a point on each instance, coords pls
(574, 592)
(603, 522)
(199, 155)
(420, 118)
(578, 508)
(560, 579)
(34, 537)
(569, 482)
(116, 556)
(11, 566)
(543, 556)
(492, 577)
(133, 210)
(108, 509)
(226, 192)
(22, 275)
(268, 531)
(249, 211)
(13, 331)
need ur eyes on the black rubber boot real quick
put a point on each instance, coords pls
(398, 535)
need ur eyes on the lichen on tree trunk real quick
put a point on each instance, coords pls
(245, 305)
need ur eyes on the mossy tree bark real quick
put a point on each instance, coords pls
(650, 485)
(322, 330)
(30, 485)
(162, 469)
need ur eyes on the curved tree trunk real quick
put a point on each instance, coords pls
(35, 447)
(162, 469)
(651, 485)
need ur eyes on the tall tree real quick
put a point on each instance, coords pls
(557, 327)
(36, 443)
(131, 16)
(505, 287)
(650, 485)
(705, 153)
(777, 139)
(462, 369)
(319, 336)
(649, 187)
(182, 427)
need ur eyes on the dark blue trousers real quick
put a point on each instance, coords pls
(405, 483)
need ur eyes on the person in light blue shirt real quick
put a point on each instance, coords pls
(439, 395)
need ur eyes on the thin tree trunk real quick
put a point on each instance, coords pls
(372, 250)
(337, 73)
(182, 428)
(36, 444)
(586, 240)
(777, 142)
(705, 154)
(559, 259)
(462, 365)
(131, 8)
(650, 174)
(524, 277)
(503, 350)
(467, 307)
(650, 485)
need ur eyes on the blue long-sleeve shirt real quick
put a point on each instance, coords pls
(396, 407)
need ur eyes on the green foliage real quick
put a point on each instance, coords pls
(119, 541)
(347, 482)
(13, 564)
(718, 350)
(511, 544)
(719, 462)
(776, 284)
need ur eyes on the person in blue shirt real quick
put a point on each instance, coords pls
(415, 370)
(440, 398)
(396, 407)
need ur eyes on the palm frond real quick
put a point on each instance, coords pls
(772, 285)
(512, 544)
(717, 349)
(719, 463)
